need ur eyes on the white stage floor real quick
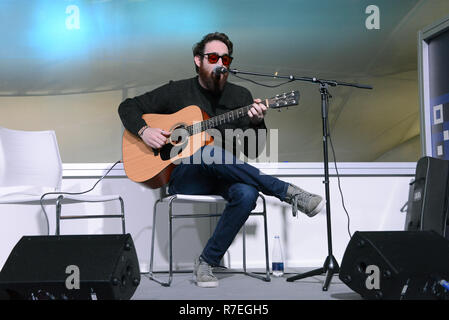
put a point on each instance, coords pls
(237, 286)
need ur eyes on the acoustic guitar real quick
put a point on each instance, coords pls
(188, 134)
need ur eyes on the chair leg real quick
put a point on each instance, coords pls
(151, 273)
(58, 215)
(267, 265)
(244, 248)
(122, 208)
(170, 241)
(265, 227)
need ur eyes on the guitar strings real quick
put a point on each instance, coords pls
(217, 120)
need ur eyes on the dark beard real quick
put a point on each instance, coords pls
(212, 83)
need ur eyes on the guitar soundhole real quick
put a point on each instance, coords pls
(165, 151)
(178, 139)
(179, 134)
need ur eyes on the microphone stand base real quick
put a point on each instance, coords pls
(330, 267)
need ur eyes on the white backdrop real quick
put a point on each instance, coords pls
(373, 192)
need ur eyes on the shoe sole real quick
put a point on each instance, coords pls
(317, 209)
(211, 284)
(204, 284)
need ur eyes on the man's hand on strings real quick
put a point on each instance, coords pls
(154, 137)
(257, 111)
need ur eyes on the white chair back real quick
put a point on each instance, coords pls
(29, 158)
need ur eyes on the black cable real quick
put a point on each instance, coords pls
(261, 84)
(338, 179)
(71, 193)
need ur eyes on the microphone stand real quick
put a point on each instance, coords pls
(330, 266)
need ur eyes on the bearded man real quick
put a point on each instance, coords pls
(238, 182)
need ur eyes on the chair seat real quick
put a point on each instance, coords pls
(28, 194)
(89, 198)
(27, 199)
(188, 198)
(51, 198)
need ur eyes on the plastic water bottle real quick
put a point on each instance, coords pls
(277, 264)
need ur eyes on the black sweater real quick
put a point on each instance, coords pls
(176, 95)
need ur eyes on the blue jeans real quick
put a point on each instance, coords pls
(238, 182)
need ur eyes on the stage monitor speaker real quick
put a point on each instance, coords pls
(71, 267)
(428, 197)
(396, 265)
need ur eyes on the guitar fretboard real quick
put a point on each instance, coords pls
(276, 102)
(218, 120)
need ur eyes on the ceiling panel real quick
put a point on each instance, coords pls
(132, 44)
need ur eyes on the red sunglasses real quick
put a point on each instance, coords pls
(213, 57)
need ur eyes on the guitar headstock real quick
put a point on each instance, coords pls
(284, 100)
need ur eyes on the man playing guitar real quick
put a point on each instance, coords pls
(238, 182)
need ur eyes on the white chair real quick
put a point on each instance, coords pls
(30, 166)
(170, 200)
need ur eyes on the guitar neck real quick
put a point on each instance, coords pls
(278, 101)
(219, 120)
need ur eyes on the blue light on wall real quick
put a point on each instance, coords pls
(55, 30)
(52, 29)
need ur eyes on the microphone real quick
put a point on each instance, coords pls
(219, 70)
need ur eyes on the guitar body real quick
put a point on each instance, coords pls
(143, 164)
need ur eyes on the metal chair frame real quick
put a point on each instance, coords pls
(60, 217)
(201, 199)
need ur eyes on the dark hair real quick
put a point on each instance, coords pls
(198, 48)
